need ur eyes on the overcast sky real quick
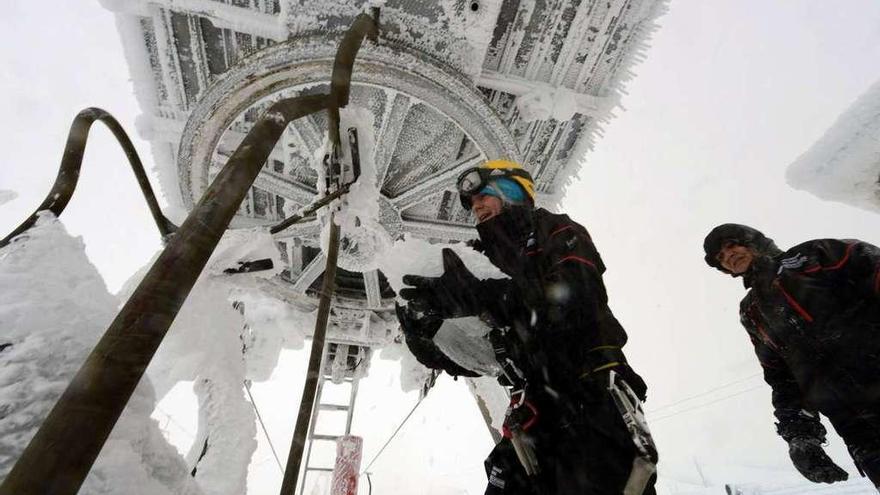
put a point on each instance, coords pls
(731, 93)
(56, 59)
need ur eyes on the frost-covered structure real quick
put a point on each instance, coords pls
(844, 164)
(450, 83)
(55, 307)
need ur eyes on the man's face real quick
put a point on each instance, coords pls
(485, 206)
(735, 258)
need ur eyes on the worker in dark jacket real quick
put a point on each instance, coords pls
(555, 338)
(813, 316)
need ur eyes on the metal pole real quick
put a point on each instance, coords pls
(59, 457)
(340, 87)
(317, 205)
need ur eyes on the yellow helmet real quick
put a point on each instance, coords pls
(473, 180)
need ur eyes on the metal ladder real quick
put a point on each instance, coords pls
(340, 364)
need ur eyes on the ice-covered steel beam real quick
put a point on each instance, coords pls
(136, 52)
(435, 183)
(310, 133)
(219, 14)
(392, 125)
(310, 273)
(371, 285)
(586, 104)
(437, 230)
(304, 230)
(283, 186)
(611, 16)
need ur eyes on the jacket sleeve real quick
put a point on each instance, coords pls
(794, 418)
(855, 262)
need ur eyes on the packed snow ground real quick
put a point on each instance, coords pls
(54, 309)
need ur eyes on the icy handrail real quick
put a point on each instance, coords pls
(71, 162)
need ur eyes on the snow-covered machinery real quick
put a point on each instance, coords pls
(451, 83)
(448, 84)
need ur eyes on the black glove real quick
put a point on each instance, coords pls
(808, 457)
(452, 295)
(419, 334)
(416, 326)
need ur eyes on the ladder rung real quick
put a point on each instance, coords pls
(329, 378)
(333, 407)
(331, 438)
(328, 470)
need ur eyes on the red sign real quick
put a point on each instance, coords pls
(348, 464)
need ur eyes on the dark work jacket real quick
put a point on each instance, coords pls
(813, 315)
(553, 311)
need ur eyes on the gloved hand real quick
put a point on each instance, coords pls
(811, 460)
(419, 333)
(415, 326)
(521, 415)
(452, 295)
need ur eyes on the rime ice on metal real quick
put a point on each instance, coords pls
(450, 84)
(541, 77)
(844, 164)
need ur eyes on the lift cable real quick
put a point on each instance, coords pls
(426, 387)
(396, 431)
(247, 387)
(700, 406)
(704, 393)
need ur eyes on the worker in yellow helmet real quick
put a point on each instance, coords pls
(575, 424)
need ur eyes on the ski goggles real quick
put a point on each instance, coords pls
(473, 180)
